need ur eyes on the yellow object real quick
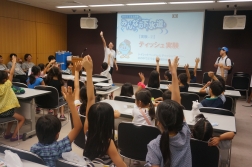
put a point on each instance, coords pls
(8, 99)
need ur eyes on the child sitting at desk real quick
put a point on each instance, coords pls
(127, 90)
(48, 128)
(54, 79)
(46, 68)
(172, 147)
(203, 131)
(145, 111)
(34, 78)
(99, 125)
(106, 68)
(69, 68)
(9, 102)
(154, 79)
(217, 99)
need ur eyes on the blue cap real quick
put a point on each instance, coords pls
(224, 48)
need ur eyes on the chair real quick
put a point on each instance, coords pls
(241, 83)
(133, 139)
(227, 87)
(63, 163)
(71, 83)
(206, 78)
(19, 84)
(241, 74)
(155, 92)
(165, 82)
(228, 105)
(49, 101)
(123, 98)
(187, 98)
(219, 111)
(7, 120)
(80, 139)
(26, 155)
(65, 73)
(204, 155)
(198, 85)
(99, 76)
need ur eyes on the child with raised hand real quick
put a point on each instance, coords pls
(9, 102)
(77, 98)
(172, 147)
(100, 139)
(34, 78)
(69, 68)
(48, 129)
(54, 79)
(145, 111)
(203, 131)
(154, 79)
(193, 74)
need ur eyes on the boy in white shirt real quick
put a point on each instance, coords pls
(106, 72)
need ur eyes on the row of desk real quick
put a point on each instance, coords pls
(225, 123)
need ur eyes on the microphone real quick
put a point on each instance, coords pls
(82, 52)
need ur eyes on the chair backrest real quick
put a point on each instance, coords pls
(206, 78)
(165, 82)
(241, 74)
(133, 139)
(155, 92)
(80, 139)
(99, 76)
(227, 87)
(26, 155)
(71, 83)
(19, 84)
(188, 98)
(123, 98)
(240, 82)
(219, 111)
(198, 85)
(228, 105)
(63, 163)
(65, 73)
(204, 155)
(50, 100)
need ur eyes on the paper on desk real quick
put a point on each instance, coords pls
(12, 159)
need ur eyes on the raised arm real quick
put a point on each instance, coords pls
(187, 73)
(203, 89)
(69, 96)
(14, 60)
(157, 62)
(175, 84)
(48, 67)
(212, 76)
(78, 68)
(197, 60)
(141, 85)
(109, 60)
(87, 63)
(225, 136)
(103, 40)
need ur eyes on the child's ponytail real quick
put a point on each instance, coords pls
(152, 111)
(165, 147)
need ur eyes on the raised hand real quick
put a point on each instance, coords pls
(197, 60)
(173, 65)
(52, 61)
(87, 63)
(78, 66)
(14, 59)
(186, 66)
(101, 33)
(157, 59)
(68, 94)
(141, 75)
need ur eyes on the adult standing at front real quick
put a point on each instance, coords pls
(223, 61)
(28, 63)
(109, 51)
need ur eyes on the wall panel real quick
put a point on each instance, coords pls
(26, 29)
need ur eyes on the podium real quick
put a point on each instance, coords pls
(75, 60)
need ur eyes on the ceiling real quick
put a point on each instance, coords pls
(51, 5)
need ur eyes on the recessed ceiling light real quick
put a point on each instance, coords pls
(106, 5)
(190, 2)
(235, 1)
(79, 6)
(154, 3)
